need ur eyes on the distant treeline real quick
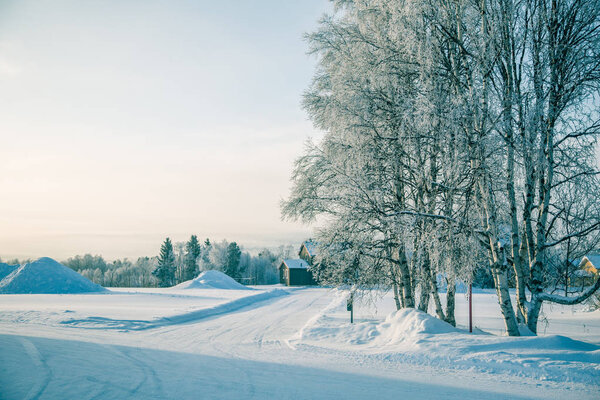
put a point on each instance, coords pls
(223, 256)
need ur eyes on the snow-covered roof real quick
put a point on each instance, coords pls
(311, 247)
(594, 259)
(299, 263)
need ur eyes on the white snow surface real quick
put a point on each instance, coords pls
(45, 276)
(212, 280)
(296, 263)
(284, 343)
(418, 338)
(6, 269)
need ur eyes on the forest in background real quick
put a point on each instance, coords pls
(259, 269)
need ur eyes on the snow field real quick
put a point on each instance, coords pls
(188, 317)
(124, 309)
(283, 343)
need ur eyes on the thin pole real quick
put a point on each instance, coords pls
(470, 307)
(350, 307)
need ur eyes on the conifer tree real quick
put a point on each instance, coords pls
(192, 252)
(232, 262)
(165, 270)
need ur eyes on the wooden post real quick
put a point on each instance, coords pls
(350, 307)
(470, 307)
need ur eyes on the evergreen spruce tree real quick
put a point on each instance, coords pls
(192, 252)
(165, 270)
(232, 262)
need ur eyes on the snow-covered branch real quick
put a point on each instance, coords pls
(571, 300)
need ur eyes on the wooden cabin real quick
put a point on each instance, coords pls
(307, 251)
(587, 272)
(295, 273)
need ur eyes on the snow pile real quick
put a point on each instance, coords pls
(6, 269)
(399, 327)
(414, 337)
(409, 322)
(212, 280)
(46, 276)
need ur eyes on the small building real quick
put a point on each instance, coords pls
(587, 272)
(307, 251)
(590, 263)
(297, 272)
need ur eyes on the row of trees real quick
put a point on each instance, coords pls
(118, 273)
(457, 134)
(172, 269)
(180, 262)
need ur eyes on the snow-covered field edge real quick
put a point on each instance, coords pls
(189, 317)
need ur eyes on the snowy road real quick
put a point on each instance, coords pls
(246, 353)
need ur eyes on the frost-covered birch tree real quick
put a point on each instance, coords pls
(452, 130)
(377, 176)
(533, 89)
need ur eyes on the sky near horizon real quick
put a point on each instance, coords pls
(124, 122)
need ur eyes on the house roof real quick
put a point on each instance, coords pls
(296, 264)
(311, 247)
(594, 259)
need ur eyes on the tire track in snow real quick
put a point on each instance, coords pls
(226, 348)
(149, 377)
(253, 327)
(297, 336)
(248, 380)
(269, 325)
(36, 357)
(191, 317)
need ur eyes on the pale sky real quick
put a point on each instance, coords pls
(123, 122)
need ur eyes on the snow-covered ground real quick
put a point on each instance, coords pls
(284, 343)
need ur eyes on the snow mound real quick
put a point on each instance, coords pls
(46, 276)
(399, 328)
(6, 269)
(412, 322)
(212, 280)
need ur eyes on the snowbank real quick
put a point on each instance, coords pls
(411, 336)
(212, 280)
(412, 322)
(397, 328)
(46, 276)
